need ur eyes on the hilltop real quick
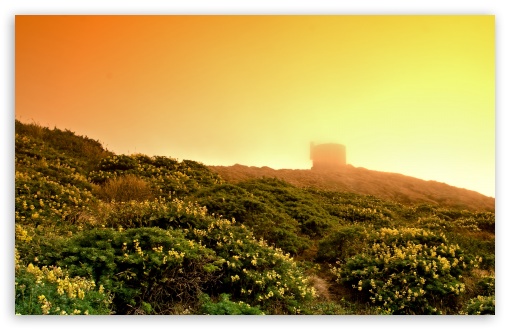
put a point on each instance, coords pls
(359, 180)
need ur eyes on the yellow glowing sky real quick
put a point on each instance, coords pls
(406, 94)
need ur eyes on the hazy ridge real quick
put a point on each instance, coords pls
(385, 185)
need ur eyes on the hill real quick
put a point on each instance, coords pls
(101, 233)
(388, 186)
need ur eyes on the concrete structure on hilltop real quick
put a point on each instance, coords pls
(327, 156)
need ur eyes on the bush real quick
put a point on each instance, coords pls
(124, 189)
(141, 266)
(226, 307)
(254, 272)
(481, 305)
(355, 214)
(407, 271)
(41, 200)
(342, 243)
(166, 176)
(156, 213)
(50, 290)
(294, 202)
(84, 151)
(154, 235)
(266, 221)
(486, 286)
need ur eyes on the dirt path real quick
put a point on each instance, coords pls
(321, 287)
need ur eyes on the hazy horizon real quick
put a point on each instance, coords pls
(413, 95)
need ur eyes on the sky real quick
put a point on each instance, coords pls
(440, 169)
(405, 94)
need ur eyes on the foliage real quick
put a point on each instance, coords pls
(226, 307)
(265, 219)
(297, 203)
(50, 290)
(342, 243)
(159, 212)
(481, 305)
(353, 208)
(124, 189)
(254, 272)
(140, 266)
(79, 150)
(463, 221)
(407, 271)
(154, 235)
(166, 176)
(486, 286)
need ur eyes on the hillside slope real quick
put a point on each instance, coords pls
(388, 186)
(100, 233)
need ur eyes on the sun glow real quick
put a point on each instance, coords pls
(406, 94)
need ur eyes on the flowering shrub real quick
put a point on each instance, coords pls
(50, 290)
(166, 176)
(163, 268)
(351, 208)
(357, 214)
(39, 199)
(185, 242)
(407, 271)
(472, 222)
(486, 286)
(481, 305)
(484, 301)
(50, 187)
(266, 220)
(254, 272)
(159, 212)
(81, 151)
(140, 266)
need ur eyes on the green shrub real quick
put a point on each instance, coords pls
(355, 214)
(481, 305)
(50, 290)
(266, 221)
(354, 208)
(169, 268)
(140, 266)
(342, 243)
(226, 307)
(464, 221)
(486, 221)
(254, 272)
(154, 235)
(74, 149)
(295, 202)
(476, 243)
(407, 271)
(155, 213)
(486, 286)
(40, 200)
(166, 176)
(118, 163)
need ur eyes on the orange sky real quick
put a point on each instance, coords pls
(407, 94)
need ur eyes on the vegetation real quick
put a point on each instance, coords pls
(99, 233)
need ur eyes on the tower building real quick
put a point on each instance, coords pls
(327, 156)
